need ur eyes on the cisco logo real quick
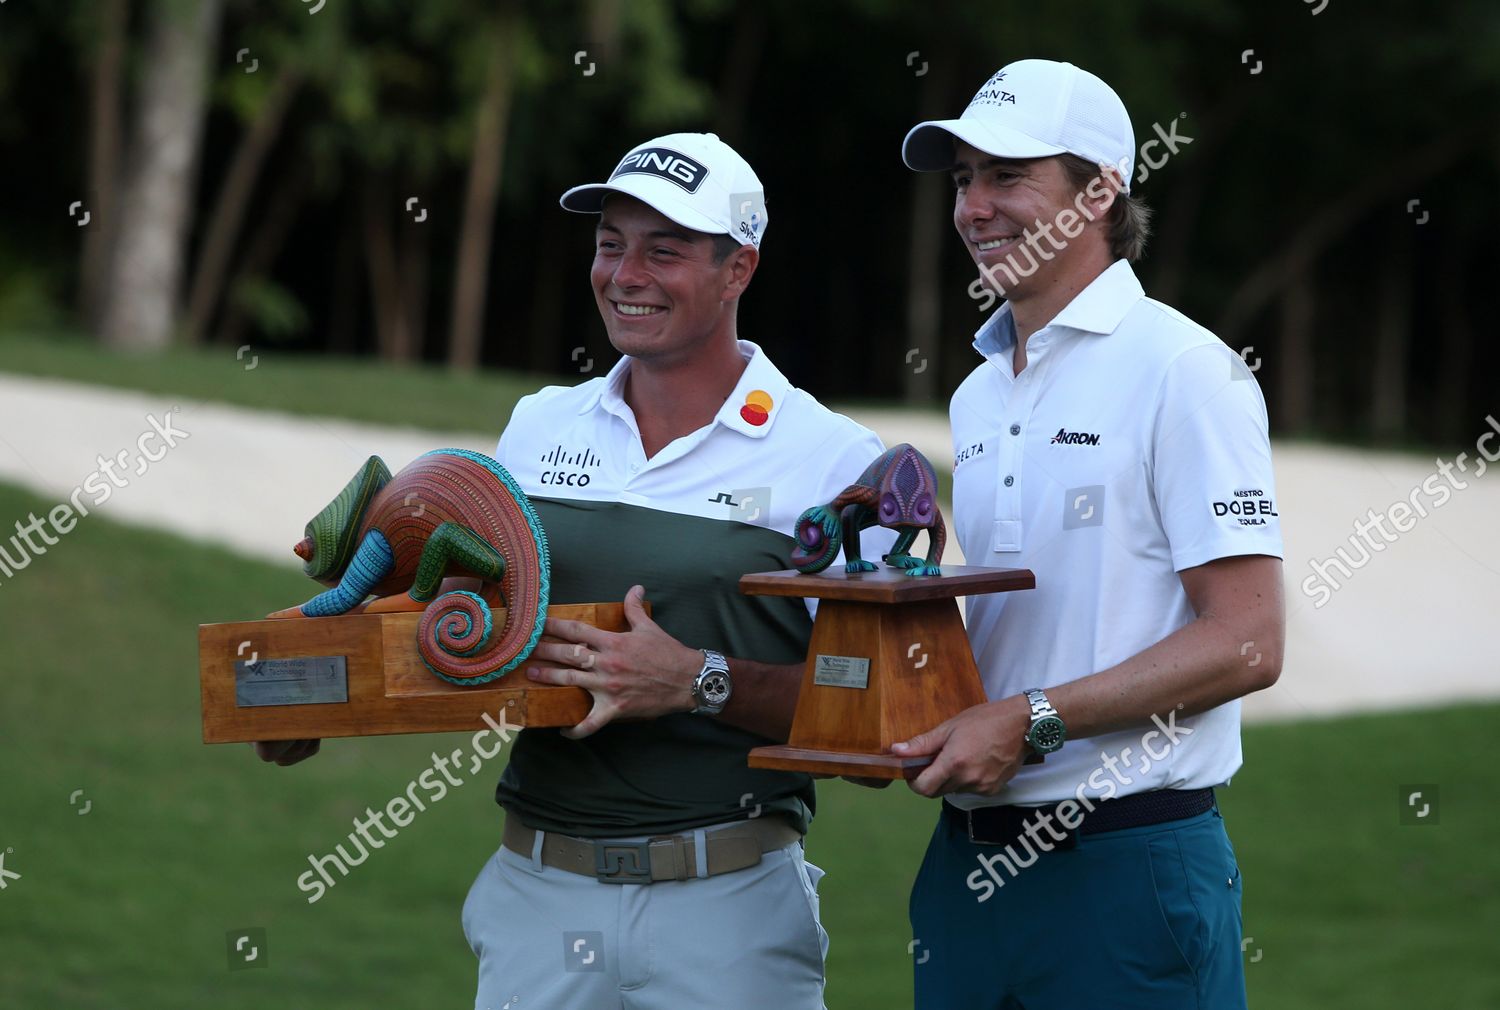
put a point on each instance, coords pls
(569, 469)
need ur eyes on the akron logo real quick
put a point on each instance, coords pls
(663, 163)
(1066, 437)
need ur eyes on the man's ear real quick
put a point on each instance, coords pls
(739, 267)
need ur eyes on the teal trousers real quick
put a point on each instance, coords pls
(1139, 919)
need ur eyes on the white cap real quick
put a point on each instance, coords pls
(1032, 109)
(695, 179)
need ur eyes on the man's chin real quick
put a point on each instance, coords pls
(999, 288)
(636, 342)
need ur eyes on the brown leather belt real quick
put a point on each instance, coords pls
(663, 857)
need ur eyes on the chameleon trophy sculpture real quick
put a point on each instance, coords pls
(897, 491)
(449, 511)
(889, 657)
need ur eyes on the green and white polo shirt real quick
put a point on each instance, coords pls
(686, 524)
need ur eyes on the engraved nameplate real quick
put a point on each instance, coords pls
(303, 680)
(842, 671)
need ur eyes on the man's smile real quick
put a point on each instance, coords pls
(636, 308)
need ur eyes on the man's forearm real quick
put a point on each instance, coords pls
(764, 697)
(1196, 668)
(1233, 647)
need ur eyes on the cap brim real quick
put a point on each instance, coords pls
(929, 147)
(590, 200)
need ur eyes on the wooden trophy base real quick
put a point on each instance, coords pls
(360, 675)
(889, 659)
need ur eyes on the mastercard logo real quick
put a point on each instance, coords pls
(757, 408)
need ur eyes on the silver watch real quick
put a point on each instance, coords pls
(712, 687)
(1047, 731)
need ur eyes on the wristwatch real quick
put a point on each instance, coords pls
(712, 687)
(1047, 731)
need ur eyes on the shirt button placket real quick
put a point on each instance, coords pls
(1007, 499)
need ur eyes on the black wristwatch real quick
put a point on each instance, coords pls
(1047, 731)
(712, 688)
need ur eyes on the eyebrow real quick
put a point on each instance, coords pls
(656, 233)
(963, 166)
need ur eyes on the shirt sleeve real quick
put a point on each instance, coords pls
(1211, 460)
(502, 447)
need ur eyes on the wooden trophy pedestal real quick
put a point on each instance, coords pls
(360, 675)
(889, 659)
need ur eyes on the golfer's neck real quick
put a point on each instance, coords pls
(673, 398)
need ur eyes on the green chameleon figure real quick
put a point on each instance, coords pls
(897, 491)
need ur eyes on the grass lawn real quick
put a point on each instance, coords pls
(128, 905)
(361, 389)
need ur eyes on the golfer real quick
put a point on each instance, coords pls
(1120, 451)
(644, 864)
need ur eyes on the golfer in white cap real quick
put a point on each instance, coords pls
(1120, 451)
(644, 863)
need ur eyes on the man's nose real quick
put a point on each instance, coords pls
(974, 208)
(630, 271)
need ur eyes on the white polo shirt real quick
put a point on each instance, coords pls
(1132, 446)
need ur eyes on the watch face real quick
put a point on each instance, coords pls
(1047, 734)
(715, 688)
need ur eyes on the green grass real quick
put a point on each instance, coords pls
(128, 905)
(364, 389)
(361, 389)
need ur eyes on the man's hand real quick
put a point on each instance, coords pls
(286, 752)
(637, 674)
(977, 751)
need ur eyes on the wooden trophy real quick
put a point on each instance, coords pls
(889, 656)
(413, 660)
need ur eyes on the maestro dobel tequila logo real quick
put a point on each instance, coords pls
(1249, 507)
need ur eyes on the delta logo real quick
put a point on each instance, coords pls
(1066, 437)
(964, 455)
(757, 408)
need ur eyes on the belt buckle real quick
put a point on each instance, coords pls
(969, 823)
(1069, 841)
(622, 862)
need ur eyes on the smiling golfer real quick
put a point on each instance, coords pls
(1120, 451)
(644, 864)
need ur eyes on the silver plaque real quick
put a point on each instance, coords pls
(302, 680)
(842, 671)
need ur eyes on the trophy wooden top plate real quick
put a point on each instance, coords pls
(889, 585)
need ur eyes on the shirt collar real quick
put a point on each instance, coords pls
(998, 334)
(751, 408)
(1098, 308)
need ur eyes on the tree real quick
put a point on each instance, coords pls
(476, 226)
(106, 49)
(145, 265)
(233, 201)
